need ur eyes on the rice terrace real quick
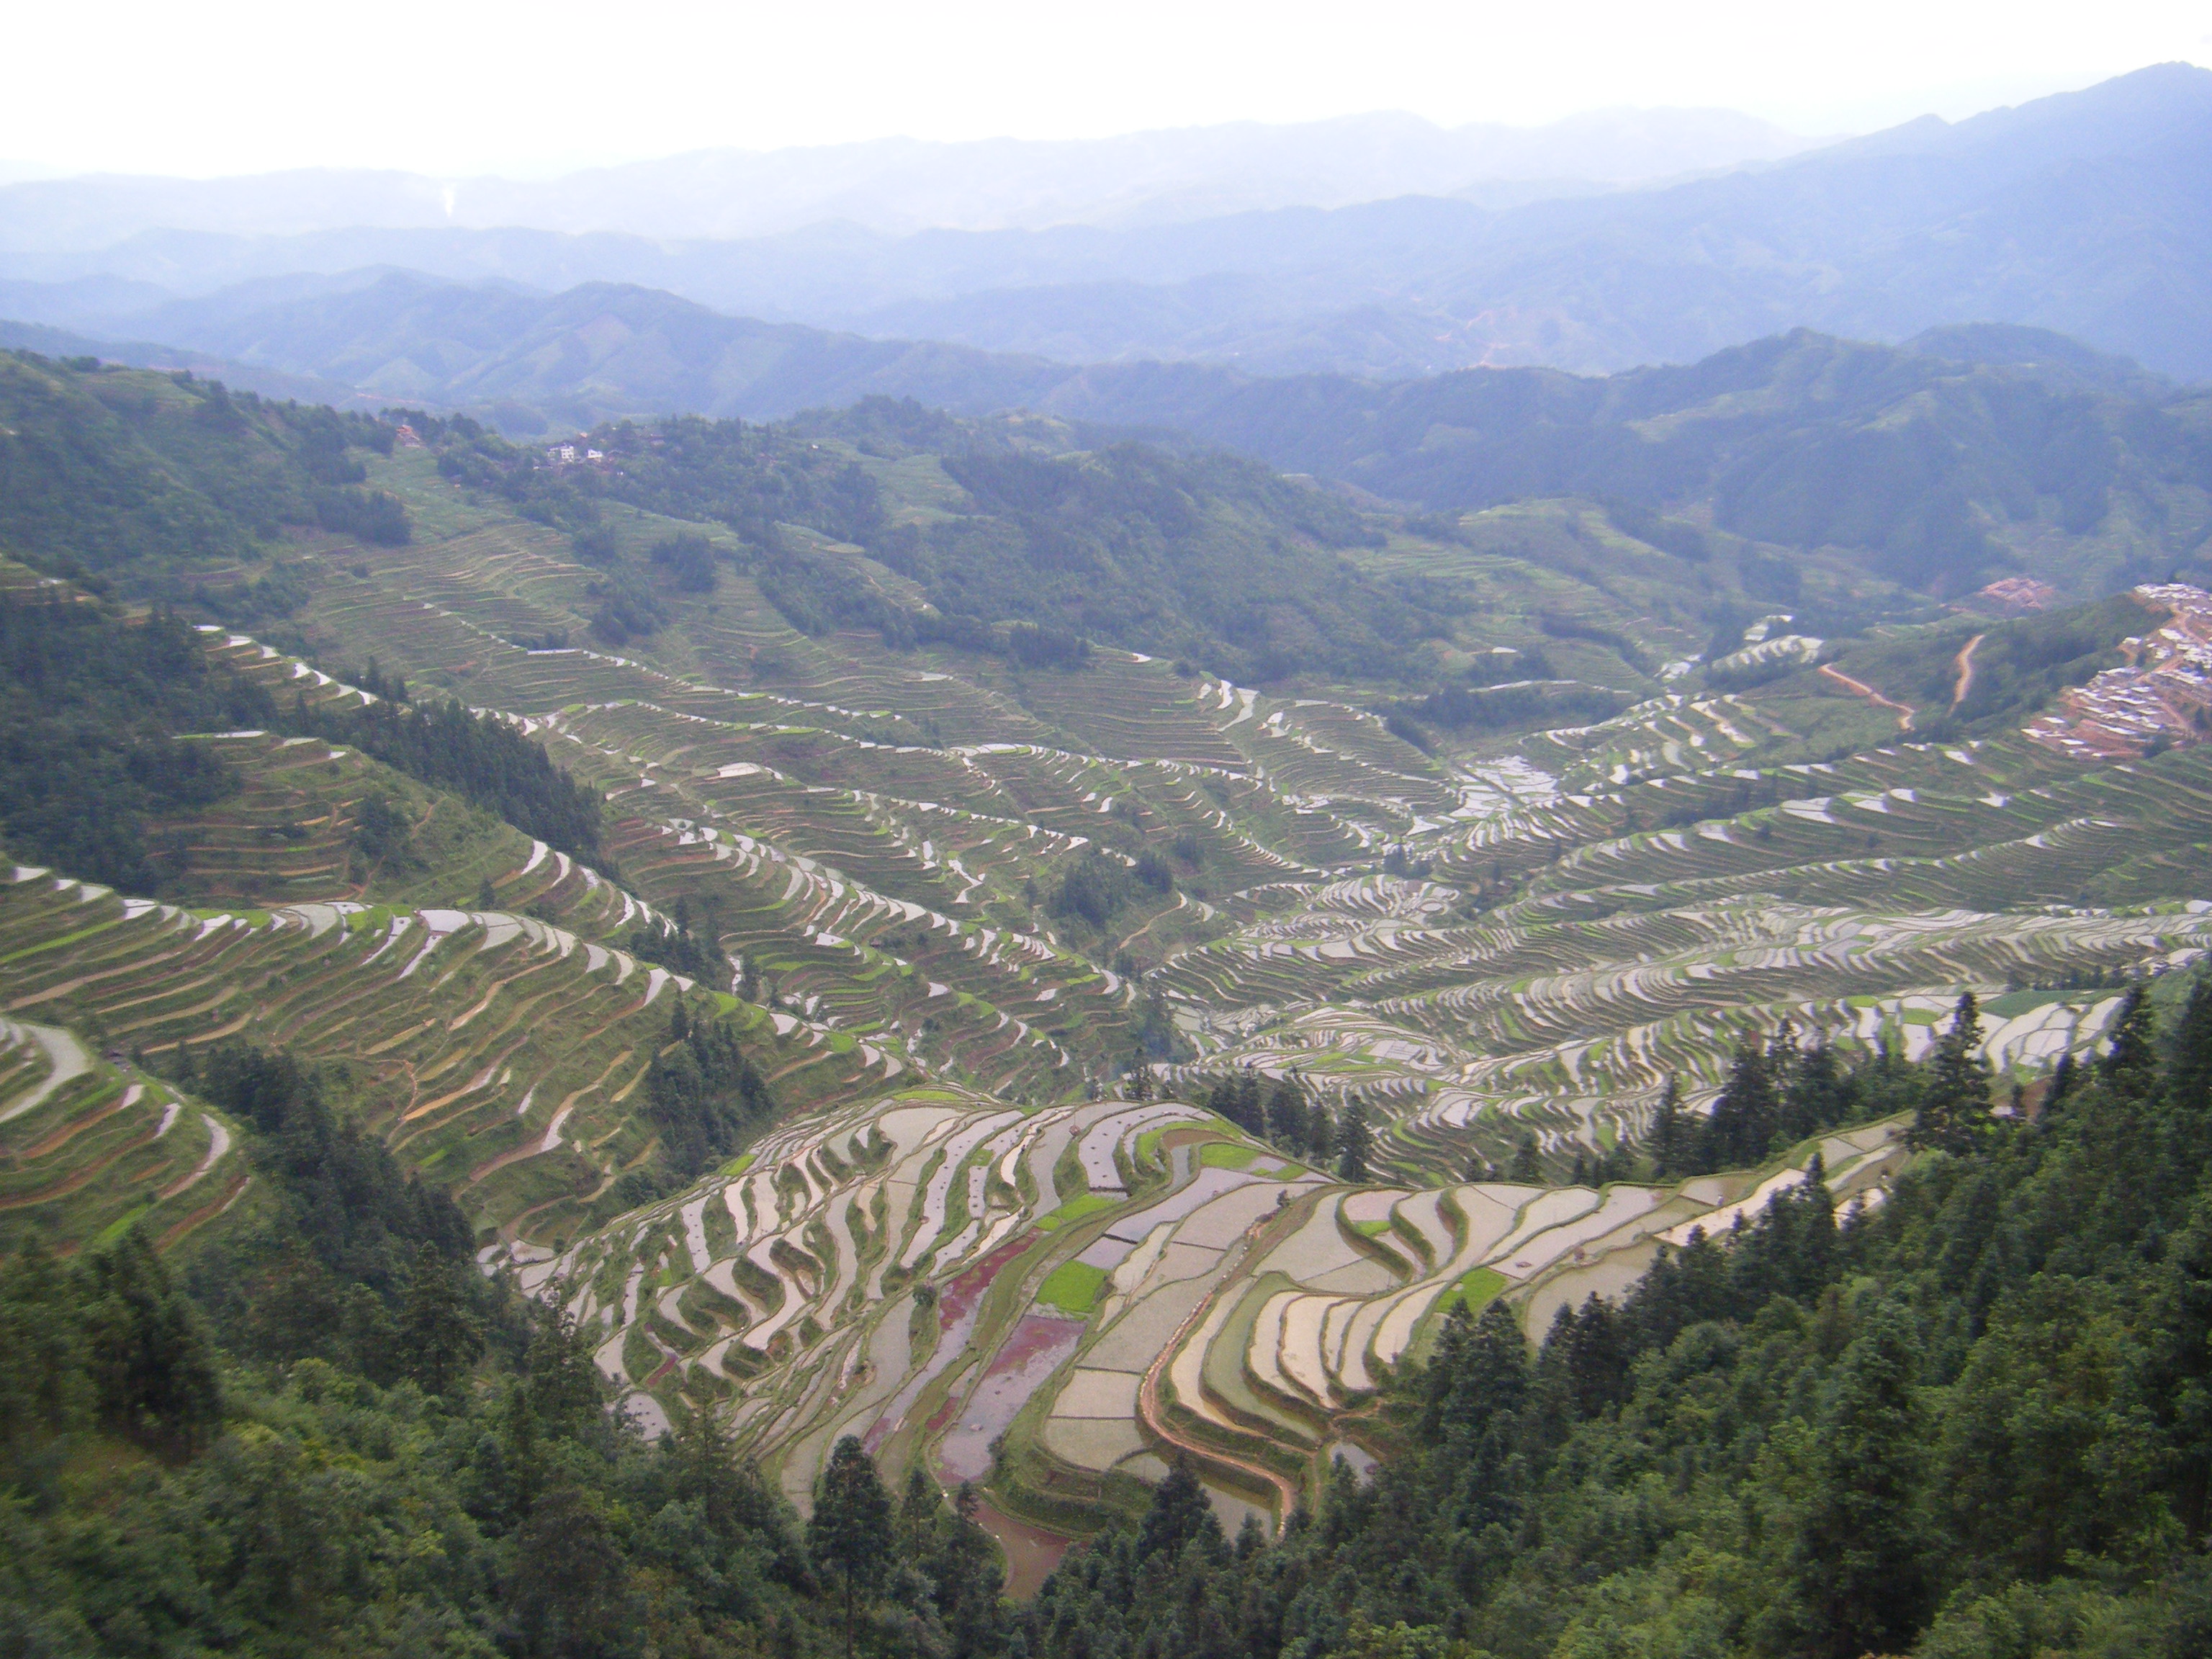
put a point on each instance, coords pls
(1203, 1012)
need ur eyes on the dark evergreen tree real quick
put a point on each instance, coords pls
(1286, 1115)
(1955, 1104)
(1860, 1562)
(851, 1525)
(2130, 1063)
(1528, 1165)
(152, 1367)
(2190, 1086)
(1180, 1513)
(569, 1586)
(1320, 1134)
(1354, 1141)
(1742, 1124)
(1670, 1132)
(1815, 1095)
(440, 1336)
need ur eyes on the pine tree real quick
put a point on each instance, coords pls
(1741, 1128)
(565, 1389)
(2190, 1078)
(43, 1389)
(1528, 1165)
(1180, 1513)
(1320, 1134)
(1813, 1097)
(439, 1337)
(2130, 1064)
(1954, 1106)
(1251, 1107)
(152, 1368)
(570, 1575)
(2062, 1084)
(851, 1526)
(1286, 1115)
(1354, 1141)
(918, 1511)
(1668, 1135)
(1860, 1561)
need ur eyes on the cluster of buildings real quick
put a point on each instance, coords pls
(2162, 696)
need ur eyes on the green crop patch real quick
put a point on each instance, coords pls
(1475, 1290)
(1072, 1287)
(1075, 1210)
(1227, 1155)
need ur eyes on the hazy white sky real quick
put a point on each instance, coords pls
(452, 87)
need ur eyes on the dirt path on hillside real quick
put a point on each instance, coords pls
(1963, 680)
(1860, 689)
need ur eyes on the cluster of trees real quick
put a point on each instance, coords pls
(91, 703)
(348, 1260)
(1509, 706)
(1283, 1113)
(1967, 1424)
(1781, 1091)
(677, 947)
(370, 515)
(704, 1097)
(182, 1474)
(1095, 887)
(159, 480)
(688, 561)
(479, 757)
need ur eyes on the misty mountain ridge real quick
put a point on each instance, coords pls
(1971, 452)
(2080, 214)
(899, 185)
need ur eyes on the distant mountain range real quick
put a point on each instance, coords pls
(1971, 452)
(898, 186)
(2083, 213)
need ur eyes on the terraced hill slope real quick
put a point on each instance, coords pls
(962, 894)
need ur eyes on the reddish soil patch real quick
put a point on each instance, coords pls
(959, 1298)
(1031, 1353)
(958, 1306)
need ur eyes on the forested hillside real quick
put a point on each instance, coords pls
(172, 486)
(1211, 558)
(1934, 469)
(328, 1434)
(95, 703)
(1961, 456)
